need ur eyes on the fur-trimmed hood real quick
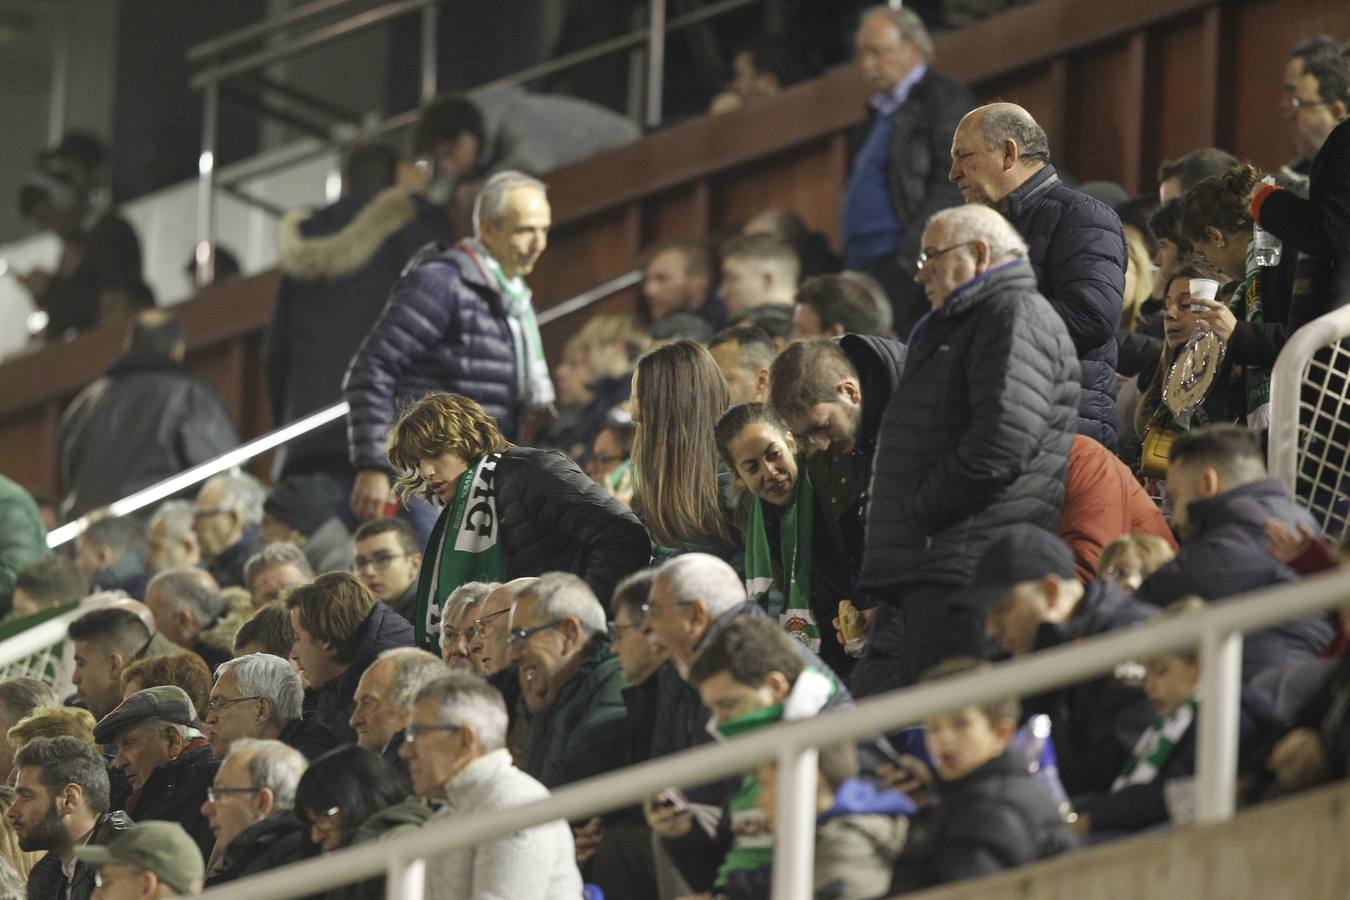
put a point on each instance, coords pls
(311, 250)
(238, 610)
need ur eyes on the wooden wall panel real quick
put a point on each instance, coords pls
(1100, 93)
(675, 215)
(1176, 124)
(1033, 90)
(28, 448)
(801, 180)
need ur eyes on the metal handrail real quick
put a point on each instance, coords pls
(1286, 386)
(287, 433)
(1217, 631)
(218, 45)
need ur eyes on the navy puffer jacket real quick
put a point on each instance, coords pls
(1077, 248)
(444, 329)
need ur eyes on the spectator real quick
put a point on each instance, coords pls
(23, 537)
(542, 513)
(812, 247)
(1102, 502)
(171, 539)
(48, 584)
(384, 699)
(1316, 749)
(677, 278)
(744, 355)
(1176, 177)
(1001, 158)
(1139, 337)
(164, 418)
(992, 813)
(50, 722)
(62, 803)
(301, 510)
(110, 556)
(340, 628)
(192, 613)
(273, 570)
(155, 859)
(19, 698)
(639, 661)
(183, 669)
(460, 320)
(269, 631)
(758, 72)
(1129, 559)
(597, 374)
(570, 683)
(680, 327)
(965, 448)
(759, 279)
(679, 393)
(835, 305)
(225, 518)
(1025, 585)
(462, 624)
(610, 462)
(494, 627)
(106, 642)
(1303, 56)
(388, 561)
(897, 180)
(1221, 499)
(457, 755)
(251, 809)
(338, 265)
(167, 762)
(15, 864)
(259, 696)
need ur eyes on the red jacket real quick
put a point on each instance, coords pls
(1103, 501)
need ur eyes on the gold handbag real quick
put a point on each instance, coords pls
(1156, 450)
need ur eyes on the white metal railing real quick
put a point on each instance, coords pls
(1217, 631)
(37, 652)
(1310, 419)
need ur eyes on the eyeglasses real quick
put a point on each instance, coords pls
(646, 609)
(413, 732)
(213, 794)
(475, 629)
(379, 562)
(520, 635)
(1300, 103)
(615, 630)
(928, 256)
(219, 703)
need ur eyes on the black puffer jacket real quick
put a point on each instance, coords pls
(444, 329)
(977, 435)
(382, 630)
(1077, 247)
(278, 840)
(176, 791)
(47, 881)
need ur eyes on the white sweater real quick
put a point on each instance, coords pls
(538, 864)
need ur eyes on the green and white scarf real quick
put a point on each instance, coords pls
(532, 379)
(1155, 747)
(790, 604)
(468, 548)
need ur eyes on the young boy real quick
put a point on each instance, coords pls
(991, 812)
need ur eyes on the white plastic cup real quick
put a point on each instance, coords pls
(1203, 289)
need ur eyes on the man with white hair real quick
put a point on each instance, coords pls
(250, 810)
(456, 753)
(460, 320)
(975, 439)
(260, 697)
(189, 610)
(571, 685)
(384, 699)
(171, 540)
(225, 518)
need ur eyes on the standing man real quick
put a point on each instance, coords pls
(976, 439)
(1076, 246)
(459, 320)
(897, 179)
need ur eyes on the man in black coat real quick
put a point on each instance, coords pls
(976, 438)
(250, 810)
(1076, 246)
(898, 178)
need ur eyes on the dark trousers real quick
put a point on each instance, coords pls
(916, 628)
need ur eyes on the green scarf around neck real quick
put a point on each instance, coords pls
(790, 603)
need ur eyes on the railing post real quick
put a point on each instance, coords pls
(430, 25)
(407, 879)
(656, 60)
(794, 841)
(1217, 750)
(206, 187)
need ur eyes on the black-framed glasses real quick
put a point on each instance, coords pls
(380, 561)
(927, 256)
(615, 631)
(213, 794)
(412, 733)
(520, 635)
(216, 704)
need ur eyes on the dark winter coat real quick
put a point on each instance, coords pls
(977, 434)
(47, 881)
(108, 258)
(582, 733)
(278, 840)
(176, 791)
(23, 537)
(308, 735)
(335, 701)
(1077, 247)
(444, 329)
(228, 568)
(147, 419)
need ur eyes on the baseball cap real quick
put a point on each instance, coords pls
(167, 702)
(1020, 553)
(160, 847)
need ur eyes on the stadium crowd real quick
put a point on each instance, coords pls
(787, 480)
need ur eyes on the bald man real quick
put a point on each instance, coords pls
(1001, 159)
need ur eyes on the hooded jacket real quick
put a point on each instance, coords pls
(47, 881)
(583, 732)
(176, 791)
(1077, 248)
(335, 701)
(278, 840)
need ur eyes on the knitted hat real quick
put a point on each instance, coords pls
(303, 502)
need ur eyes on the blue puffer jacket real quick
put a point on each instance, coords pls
(1077, 249)
(444, 329)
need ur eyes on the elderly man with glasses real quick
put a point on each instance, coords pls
(384, 699)
(249, 806)
(260, 696)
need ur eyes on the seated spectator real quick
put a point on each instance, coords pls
(461, 624)
(1129, 559)
(251, 810)
(110, 556)
(456, 752)
(1222, 498)
(1316, 749)
(183, 669)
(106, 642)
(384, 699)
(19, 698)
(226, 517)
(61, 804)
(340, 628)
(48, 584)
(153, 859)
(759, 282)
(166, 420)
(570, 683)
(23, 537)
(274, 569)
(302, 510)
(166, 760)
(171, 540)
(259, 697)
(15, 864)
(676, 279)
(610, 461)
(744, 355)
(1026, 586)
(835, 305)
(269, 631)
(812, 247)
(594, 379)
(1177, 176)
(388, 561)
(50, 722)
(546, 514)
(992, 813)
(190, 611)
(1103, 501)
(493, 640)
(758, 72)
